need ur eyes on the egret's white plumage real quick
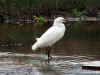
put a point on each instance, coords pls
(52, 35)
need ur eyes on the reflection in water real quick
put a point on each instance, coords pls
(36, 64)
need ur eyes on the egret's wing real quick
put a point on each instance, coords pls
(49, 36)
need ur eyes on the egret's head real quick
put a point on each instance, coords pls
(59, 20)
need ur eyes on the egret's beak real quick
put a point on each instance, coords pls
(64, 20)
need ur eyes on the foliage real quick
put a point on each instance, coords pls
(38, 20)
(10, 5)
(76, 13)
(32, 3)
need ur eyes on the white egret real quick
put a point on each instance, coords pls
(51, 36)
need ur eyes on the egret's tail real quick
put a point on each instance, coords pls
(34, 47)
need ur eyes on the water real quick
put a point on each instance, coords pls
(36, 64)
(67, 55)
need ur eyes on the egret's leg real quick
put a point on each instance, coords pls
(49, 57)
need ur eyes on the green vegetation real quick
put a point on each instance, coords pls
(76, 13)
(28, 5)
(38, 20)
